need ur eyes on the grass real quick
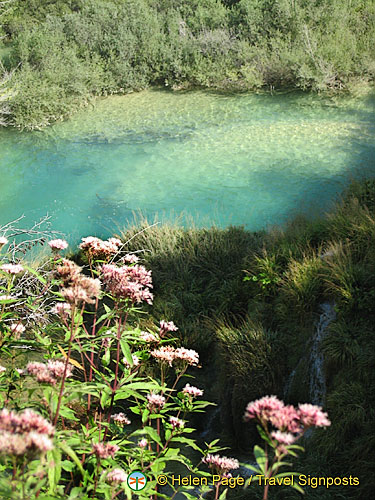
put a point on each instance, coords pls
(253, 333)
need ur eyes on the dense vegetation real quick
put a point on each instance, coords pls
(252, 334)
(59, 435)
(57, 54)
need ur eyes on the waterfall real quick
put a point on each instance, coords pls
(208, 428)
(317, 378)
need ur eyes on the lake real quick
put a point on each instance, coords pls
(250, 159)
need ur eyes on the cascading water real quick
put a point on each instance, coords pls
(317, 378)
(208, 430)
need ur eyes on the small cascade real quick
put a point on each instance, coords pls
(209, 426)
(288, 383)
(317, 379)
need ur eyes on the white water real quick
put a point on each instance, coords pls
(317, 378)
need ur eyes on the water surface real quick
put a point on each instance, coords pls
(225, 159)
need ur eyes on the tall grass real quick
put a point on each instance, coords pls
(253, 333)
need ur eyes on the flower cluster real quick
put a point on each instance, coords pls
(105, 450)
(49, 373)
(176, 423)
(62, 309)
(26, 432)
(155, 402)
(286, 419)
(116, 476)
(167, 327)
(222, 465)
(148, 337)
(130, 258)
(283, 437)
(168, 354)
(135, 361)
(98, 248)
(120, 419)
(77, 287)
(57, 245)
(192, 391)
(3, 241)
(17, 329)
(142, 443)
(128, 282)
(12, 268)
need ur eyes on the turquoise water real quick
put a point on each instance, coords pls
(225, 159)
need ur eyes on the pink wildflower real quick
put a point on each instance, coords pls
(192, 391)
(155, 402)
(12, 444)
(105, 450)
(166, 354)
(148, 337)
(283, 437)
(116, 476)
(115, 241)
(176, 422)
(63, 309)
(120, 419)
(99, 248)
(26, 421)
(167, 327)
(143, 443)
(57, 245)
(188, 355)
(263, 408)
(49, 373)
(3, 241)
(221, 464)
(17, 328)
(2, 369)
(69, 271)
(131, 258)
(135, 361)
(39, 441)
(12, 268)
(128, 282)
(82, 290)
(312, 415)
(286, 419)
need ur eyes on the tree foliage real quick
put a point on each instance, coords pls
(67, 51)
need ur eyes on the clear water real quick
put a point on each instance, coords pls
(225, 159)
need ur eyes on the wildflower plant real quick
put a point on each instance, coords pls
(280, 426)
(97, 397)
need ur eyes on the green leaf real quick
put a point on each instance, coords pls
(187, 441)
(67, 465)
(153, 434)
(54, 471)
(126, 351)
(251, 467)
(68, 413)
(72, 454)
(261, 458)
(264, 436)
(145, 415)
